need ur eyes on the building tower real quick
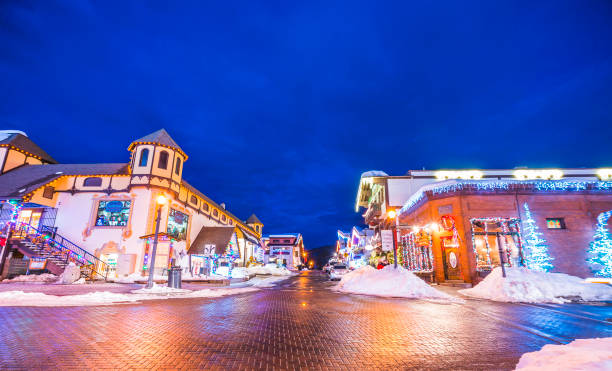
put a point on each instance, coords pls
(157, 161)
(254, 222)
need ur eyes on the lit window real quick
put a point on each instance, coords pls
(177, 168)
(144, 157)
(113, 213)
(163, 160)
(177, 224)
(92, 182)
(555, 223)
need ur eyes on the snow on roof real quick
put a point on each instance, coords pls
(372, 173)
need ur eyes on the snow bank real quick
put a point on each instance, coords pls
(160, 289)
(37, 299)
(33, 278)
(267, 281)
(525, 285)
(389, 282)
(239, 272)
(581, 354)
(71, 274)
(137, 277)
(270, 269)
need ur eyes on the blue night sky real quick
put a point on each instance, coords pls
(281, 106)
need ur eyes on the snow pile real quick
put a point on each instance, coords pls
(372, 173)
(388, 282)
(267, 281)
(137, 277)
(240, 272)
(37, 299)
(71, 274)
(80, 281)
(581, 354)
(160, 289)
(33, 278)
(524, 285)
(270, 269)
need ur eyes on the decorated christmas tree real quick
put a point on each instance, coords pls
(600, 251)
(535, 248)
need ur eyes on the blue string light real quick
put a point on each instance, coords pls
(535, 248)
(600, 250)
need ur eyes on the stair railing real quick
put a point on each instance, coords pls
(71, 250)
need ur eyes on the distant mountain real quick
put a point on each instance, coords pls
(321, 254)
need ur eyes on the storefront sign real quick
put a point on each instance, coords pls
(37, 264)
(209, 249)
(114, 206)
(386, 236)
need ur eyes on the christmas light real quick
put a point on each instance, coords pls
(536, 250)
(600, 250)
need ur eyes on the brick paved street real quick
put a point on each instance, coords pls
(298, 324)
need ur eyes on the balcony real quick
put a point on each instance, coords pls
(372, 214)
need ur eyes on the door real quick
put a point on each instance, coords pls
(450, 255)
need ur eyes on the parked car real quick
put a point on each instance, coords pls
(326, 268)
(337, 271)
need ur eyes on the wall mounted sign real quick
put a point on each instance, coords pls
(114, 206)
(37, 264)
(386, 236)
(452, 259)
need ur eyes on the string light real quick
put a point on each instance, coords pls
(536, 250)
(600, 250)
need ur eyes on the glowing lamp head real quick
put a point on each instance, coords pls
(391, 214)
(161, 200)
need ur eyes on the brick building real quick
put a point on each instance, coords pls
(457, 224)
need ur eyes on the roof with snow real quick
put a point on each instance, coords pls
(21, 142)
(373, 173)
(161, 137)
(20, 181)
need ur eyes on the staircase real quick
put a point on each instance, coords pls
(58, 251)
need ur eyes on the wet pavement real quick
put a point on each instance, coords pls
(299, 324)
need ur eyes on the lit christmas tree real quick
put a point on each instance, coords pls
(535, 247)
(600, 252)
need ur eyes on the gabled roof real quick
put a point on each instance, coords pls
(253, 219)
(18, 182)
(218, 236)
(22, 142)
(161, 137)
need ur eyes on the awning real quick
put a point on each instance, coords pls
(211, 240)
(248, 237)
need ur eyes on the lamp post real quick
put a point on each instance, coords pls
(391, 214)
(160, 201)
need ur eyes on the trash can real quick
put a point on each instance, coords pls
(174, 277)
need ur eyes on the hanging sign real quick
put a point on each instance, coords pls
(386, 236)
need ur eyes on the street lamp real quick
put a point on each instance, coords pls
(391, 214)
(160, 201)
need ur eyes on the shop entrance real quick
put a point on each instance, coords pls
(450, 257)
(30, 217)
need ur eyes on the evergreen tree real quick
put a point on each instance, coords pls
(535, 248)
(600, 251)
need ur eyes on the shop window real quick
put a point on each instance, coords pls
(177, 167)
(92, 182)
(415, 252)
(489, 236)
(48, 192)
(177, 224)
(555, 223)
(194, 199)
(162, 163)
(113, 213)
(144, 157)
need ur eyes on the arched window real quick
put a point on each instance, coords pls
(163, 160)
(144, 157)
(177, 168)
(92, 182)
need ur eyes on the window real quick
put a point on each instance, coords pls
(113, 213)
(555, 223)
(177, 224)
(223, 217)
(144, 157)
(194, 199)
(92, 182)
(48, 192)
(215, 212)
(286, 241)
(205, 206)
(163, 160)
(177, 168)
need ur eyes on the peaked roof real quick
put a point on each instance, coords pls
(253, 219)
(217, 236)
(160, 136)
(24, 143)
